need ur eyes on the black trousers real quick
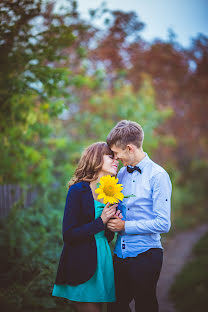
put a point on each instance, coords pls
(136, 278)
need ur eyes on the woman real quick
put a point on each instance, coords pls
(85, 274)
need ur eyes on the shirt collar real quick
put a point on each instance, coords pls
(143, 162)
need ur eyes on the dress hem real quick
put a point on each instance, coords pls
(101, 300)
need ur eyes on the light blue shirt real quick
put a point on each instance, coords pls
(146, 215)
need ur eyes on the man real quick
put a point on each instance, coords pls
(138, 250)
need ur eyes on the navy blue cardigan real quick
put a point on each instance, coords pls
(78, 259)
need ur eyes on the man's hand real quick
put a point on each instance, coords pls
(116, 224)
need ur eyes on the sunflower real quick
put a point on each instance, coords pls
(109, 190)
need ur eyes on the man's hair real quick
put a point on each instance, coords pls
(124, 133)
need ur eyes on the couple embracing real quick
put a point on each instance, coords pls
(87, 275)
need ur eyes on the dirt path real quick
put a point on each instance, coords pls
(177, 251)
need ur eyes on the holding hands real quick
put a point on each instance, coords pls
(116, 224)
(110, 212)
(112, 218)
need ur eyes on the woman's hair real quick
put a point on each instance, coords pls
(90, 163)
(124, 133)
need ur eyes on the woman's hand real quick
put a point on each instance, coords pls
(119, 214)
(108, 212)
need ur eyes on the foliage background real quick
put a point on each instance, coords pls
(63, 85)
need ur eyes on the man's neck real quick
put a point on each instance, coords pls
(139, 155)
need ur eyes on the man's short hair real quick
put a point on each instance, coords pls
(124, 133)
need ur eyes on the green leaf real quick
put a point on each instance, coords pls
(98, 185)
(127, 196)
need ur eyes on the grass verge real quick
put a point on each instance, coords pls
(190, 289)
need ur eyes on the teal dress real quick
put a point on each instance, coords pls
(100, 287)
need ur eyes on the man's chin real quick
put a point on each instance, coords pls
(125, 164)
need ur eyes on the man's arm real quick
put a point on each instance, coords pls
(161, 197)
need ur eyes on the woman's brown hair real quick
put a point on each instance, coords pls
(90, 163)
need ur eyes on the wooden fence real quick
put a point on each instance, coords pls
(10, 194)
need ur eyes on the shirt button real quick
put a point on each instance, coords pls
(128, 208)
(133, 180)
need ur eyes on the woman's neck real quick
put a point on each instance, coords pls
(93, 186)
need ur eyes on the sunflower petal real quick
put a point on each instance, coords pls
(109, 190)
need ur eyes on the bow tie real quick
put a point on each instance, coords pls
(130, 169)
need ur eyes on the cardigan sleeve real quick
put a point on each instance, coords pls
(73, 231)
(109, 234)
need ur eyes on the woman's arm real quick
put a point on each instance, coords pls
(72, 230)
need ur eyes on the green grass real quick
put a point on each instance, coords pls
(190, 290)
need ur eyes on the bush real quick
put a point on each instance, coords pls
(31, 242)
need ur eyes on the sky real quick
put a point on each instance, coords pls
(186, 18)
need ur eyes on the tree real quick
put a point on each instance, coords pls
(33, 84)
(110, 50)
(104, 108)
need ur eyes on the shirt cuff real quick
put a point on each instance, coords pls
(130, 227)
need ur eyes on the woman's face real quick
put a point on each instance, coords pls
(110, 165)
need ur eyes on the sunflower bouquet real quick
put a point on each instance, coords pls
(110, 190)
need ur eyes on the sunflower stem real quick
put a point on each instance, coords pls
(127, 196)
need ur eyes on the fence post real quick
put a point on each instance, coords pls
(10, 194)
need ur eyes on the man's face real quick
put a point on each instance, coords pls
(124, 155)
